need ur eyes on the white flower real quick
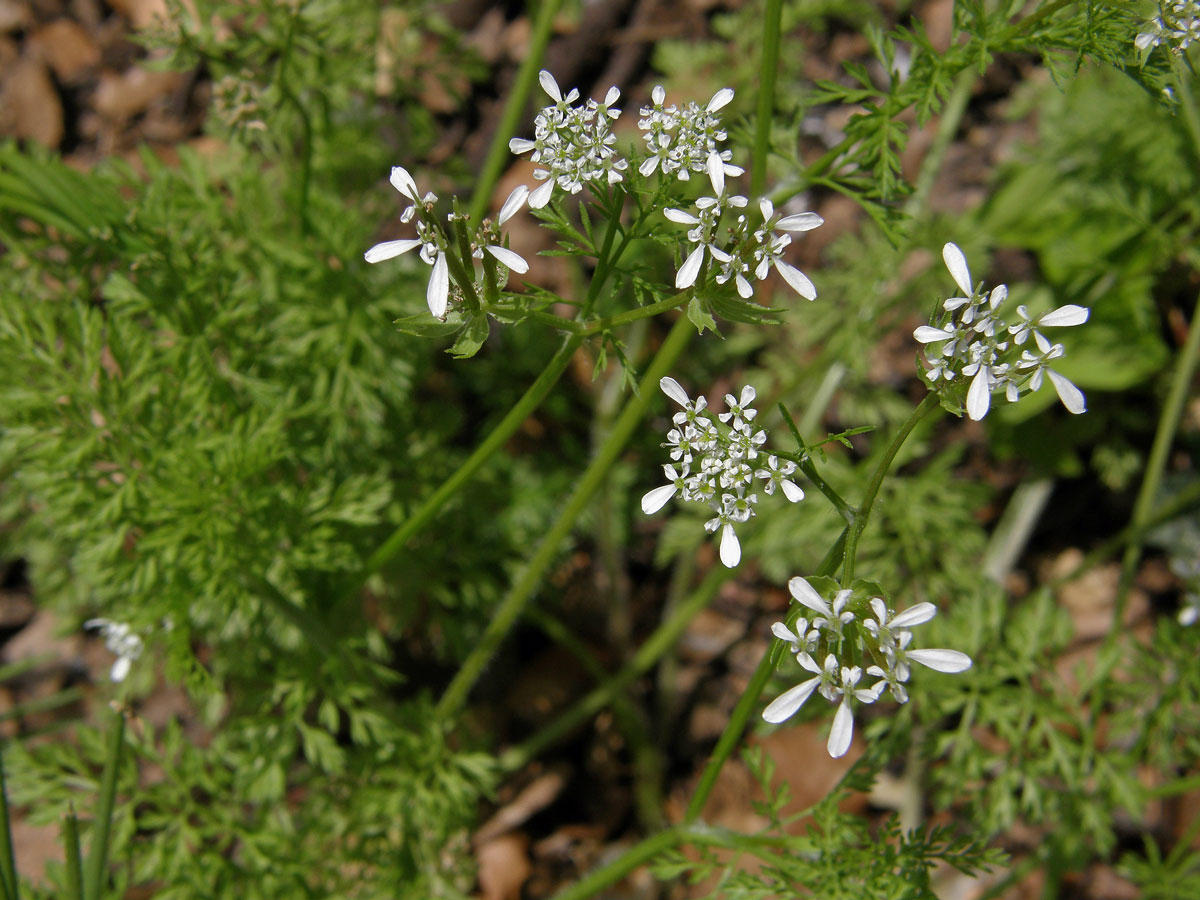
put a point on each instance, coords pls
(712, 465)
(831, 617)
(1177, 25)
(681, 141)
(119, 639)
(978, 344)
(572, 144)
(777, 476)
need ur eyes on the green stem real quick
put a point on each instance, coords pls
(1187, 103)
(768, 69)
(804, 461)
(8, 865)
(926, 406)
(493, 165)
(596, 881)
(634, 315)
(504, 429)
(97, 861)
(605, 249)
(522, 590)
(74, 857)
(1164, 435)
(650, 652)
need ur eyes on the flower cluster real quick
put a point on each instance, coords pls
(1177, 25)
(572, 144)
(679, 141)
(120, 640)
(978, 344)
(845, 637)
(435, 244)
(740, 252)
(715, 464)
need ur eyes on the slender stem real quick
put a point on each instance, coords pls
(596, 881)
(1164, 435)
(512, 605)
(634, 315)
(1187, 102)
(8, 865)
(804, 461)
(504, 429)
(97, 861)
(769, 64)
(650, 652)
(605, 249)
(926, 406)
(74, 857)
(493, 165)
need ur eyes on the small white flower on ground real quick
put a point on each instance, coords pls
(120, 640)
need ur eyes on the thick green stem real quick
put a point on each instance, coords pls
(97, 861)
(772, 18)
(523, 588)
(493, 165)
(924, 408)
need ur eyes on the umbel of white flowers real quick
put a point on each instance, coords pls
(884, 645)
(120, 640)
(977, 344)
(716, 464)
(1177, 25)
(435, 244)
(742, 250)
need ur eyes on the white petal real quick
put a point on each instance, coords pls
(796, 279)
(744, 288)
(747, 396)
(791, 491)
(513, 204)
(613, 95)
(731, 550)
(784, 633)
(785, 705)
(674, 390)
(648, 165)
(510, 259)
(389, 250)
(403, 182)
(927, 334)
(550, 86)
(1066, 315)
(998, 295)
(914, 615)
(653, 501)
(767, 208)
(804, 594)
(686, 276)
(438, 293)
(979, 396)
(957, 264)
(800, 222)
(950, 661)
(658, 95)
(716, 173)
(120, 668)
(681, 217)
(517, 146)
(541, 196)
(719, 99)
(842, 731)
(1071, 396)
